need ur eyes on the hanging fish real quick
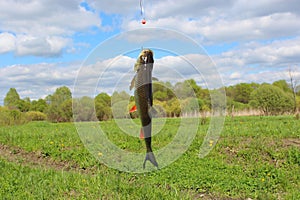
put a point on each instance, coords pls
(142, 82)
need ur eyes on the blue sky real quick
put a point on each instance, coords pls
(44, 43)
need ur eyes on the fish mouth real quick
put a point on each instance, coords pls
(146, 56)
(144, 59)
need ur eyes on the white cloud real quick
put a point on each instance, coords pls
(48, 46)
(234, 9)
(188, 8)
(214, 31)
(23, 45)
(235, 76)
(42, 28)
(210, 21)
(36, 80)
(246, 8)
(39, 80)
(224, 21)
(115, 74)
(48, 17)
(7, 42)
(259, 62)
(279, 53)
(115, 6)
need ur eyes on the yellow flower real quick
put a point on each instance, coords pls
(100, 154)
(262, 180)
(62, 145)
(211, 142)
(51, 142)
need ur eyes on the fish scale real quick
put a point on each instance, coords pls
(144, 99)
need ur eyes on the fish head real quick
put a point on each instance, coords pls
(146, 56)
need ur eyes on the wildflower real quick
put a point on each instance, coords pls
(262, 180)
(51, 142)
(62, 145)
(100, 154)
(211, 142)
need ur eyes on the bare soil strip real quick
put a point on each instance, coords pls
(292, 142)
(37, 159)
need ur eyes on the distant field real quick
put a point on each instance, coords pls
(256, 158)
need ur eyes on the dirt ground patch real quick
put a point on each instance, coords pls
(37, 159)
(292, 142)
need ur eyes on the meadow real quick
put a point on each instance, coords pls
(255, 158)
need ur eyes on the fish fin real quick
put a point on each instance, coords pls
(142, 136)
(152, 112)
(133, 109)
(132, 83)
(150, 156)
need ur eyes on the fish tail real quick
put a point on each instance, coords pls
(150, 156)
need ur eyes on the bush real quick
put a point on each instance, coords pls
(36, 116)
(11, 117)
(271, 100)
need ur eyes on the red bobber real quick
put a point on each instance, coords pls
(143, 21)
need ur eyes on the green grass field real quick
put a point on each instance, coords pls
(255, 157)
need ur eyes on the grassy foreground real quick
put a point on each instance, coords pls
(256, 157)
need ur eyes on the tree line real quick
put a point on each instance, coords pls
(270, 99)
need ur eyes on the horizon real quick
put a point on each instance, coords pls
(131, 93)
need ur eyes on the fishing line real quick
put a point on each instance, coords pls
(142, 12)
(142, 9)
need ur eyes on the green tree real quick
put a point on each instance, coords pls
(173, 108)
(66, 110)
(61, 94)
(218, 101)
(84, 109)
(191, 105)
(271, 100)
(242, 92)
(184, 90)
(160, 95)
(119, 96)
(12, 99)
(192, 83)
(282, 84)
(23, 105)
(297, 90)
(58, 102)
(39, 105)
(298, 102)
(103, 106)
(163, 91)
